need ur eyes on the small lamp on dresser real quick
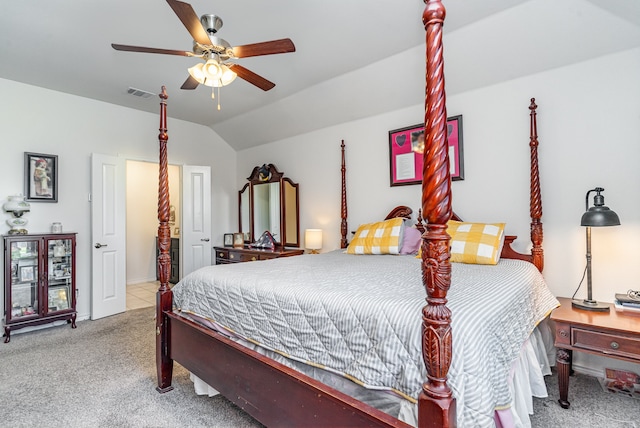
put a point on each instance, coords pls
(597, 216)
(313, 240)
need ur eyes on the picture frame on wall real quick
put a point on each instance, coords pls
(228, 240)
(406, 147)
(40, 177)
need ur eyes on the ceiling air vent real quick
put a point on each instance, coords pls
(140, 93)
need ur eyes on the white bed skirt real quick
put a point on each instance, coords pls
(527, 381)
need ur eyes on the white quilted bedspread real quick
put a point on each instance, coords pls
(360, 316)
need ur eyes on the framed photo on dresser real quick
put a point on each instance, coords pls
(238, 240)
(228, 240)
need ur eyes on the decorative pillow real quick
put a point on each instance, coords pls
(384, 237)
(476, 243)
(411, 240)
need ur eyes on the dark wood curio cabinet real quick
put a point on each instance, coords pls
(40, 284)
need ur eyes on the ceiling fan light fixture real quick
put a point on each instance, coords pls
(227, 77)
(212, 69)
(197, 73)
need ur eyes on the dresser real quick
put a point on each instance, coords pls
(226, 255)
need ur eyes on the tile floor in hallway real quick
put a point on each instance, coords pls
(141, 295)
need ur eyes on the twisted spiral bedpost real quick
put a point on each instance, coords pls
(164, 234)
(436, 404)
(164, 296)
(535, 201)
(343, 207)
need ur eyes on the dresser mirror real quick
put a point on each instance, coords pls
(269, 202)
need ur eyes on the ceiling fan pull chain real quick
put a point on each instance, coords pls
(219, 98)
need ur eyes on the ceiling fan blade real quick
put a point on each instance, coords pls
(264, 48)
(190, 20)
(129, 48)
(190, 83)
(252, 77)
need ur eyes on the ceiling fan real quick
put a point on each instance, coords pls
(218, 69)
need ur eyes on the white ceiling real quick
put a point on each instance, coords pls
(65, 45)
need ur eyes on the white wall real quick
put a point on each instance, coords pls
(33, 119)
(588, 128)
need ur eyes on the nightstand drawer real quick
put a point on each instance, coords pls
(607, 343)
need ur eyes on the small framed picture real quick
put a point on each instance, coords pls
(40, 177)
(59, 298)
(238, 240)
(228, 239)
(27, 273)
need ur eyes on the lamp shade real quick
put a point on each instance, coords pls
(17, 205)
(599, 215)
(313, 239)
(596, 216)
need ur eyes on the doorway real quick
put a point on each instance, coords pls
(142, 229)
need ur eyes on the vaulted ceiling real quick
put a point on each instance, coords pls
(65, 45)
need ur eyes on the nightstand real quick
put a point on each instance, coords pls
(611, 334)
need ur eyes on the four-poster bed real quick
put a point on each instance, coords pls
(278, 395)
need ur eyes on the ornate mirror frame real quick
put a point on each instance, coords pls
(254, 204)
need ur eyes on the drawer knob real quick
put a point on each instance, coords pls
(253, 259)
(221, 255)
(563, 333)
(615, 345)
(230, 256)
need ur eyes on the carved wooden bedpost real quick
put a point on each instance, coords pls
(164, 296)
(535, 201)
(343, 208)
(437, 407)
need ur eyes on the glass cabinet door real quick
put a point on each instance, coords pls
(24, 279)
(59, 258)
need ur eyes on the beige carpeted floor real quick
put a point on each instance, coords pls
(102, 374)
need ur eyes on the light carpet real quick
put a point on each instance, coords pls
(102, 374)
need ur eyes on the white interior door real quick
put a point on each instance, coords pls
(108, 232)
(195, 236)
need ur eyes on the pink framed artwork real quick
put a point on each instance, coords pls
(406, 146)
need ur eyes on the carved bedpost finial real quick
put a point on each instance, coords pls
(535, 202)
(437, 407)
(164, 233)
(164, 298)
(343, 208)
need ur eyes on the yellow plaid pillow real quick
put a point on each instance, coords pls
(477, 243)
(384, 237)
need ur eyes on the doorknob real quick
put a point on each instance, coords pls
(205, 239)
(99, 245)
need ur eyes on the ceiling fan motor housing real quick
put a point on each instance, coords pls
(211, 23)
